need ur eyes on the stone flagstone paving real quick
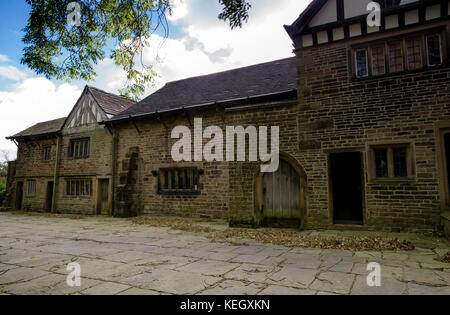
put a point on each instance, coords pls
(117, 257)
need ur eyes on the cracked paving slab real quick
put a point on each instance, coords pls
(119, 258)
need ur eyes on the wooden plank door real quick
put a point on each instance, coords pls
(282, 193)
(49, 198)
(104, 197)
(19, 196)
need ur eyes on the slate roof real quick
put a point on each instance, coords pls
(110, 103)
(43, 128)
(262, 79)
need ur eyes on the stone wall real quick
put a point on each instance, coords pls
(337, 112)
(97, 166)
(152, 139)
(30, 166)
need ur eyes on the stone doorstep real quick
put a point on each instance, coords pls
(446, 222)
(446, 215)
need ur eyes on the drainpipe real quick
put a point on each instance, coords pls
(56, 175)
(114, 169)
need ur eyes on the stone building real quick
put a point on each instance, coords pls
(364, 130)
(66, 165)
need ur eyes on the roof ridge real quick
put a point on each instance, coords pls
(103, 91)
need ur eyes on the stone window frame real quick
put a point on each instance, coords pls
(402, 37)
(194, 178)
(85, 154)
(31, 188)
(389, 146)
(47, 153)
(69, 182)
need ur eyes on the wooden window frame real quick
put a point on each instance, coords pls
(31, 188)
(403, 37)
(169, 181)
(371, 47)
(410, 161)
(388, 52)
(422, 51)
(74, 145)
(77, 188)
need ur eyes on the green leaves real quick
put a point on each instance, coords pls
(55, 49)
(235, 12)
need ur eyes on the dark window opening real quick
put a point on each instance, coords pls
(178, 181)
(79, 148)
(361, 63)
(381, 163)
(400, 164)
(47, 153)
(434, 54)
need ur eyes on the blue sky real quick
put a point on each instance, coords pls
(198, 44)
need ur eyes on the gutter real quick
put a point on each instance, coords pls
(43, 134)
(149, 114)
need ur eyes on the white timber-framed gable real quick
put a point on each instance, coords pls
(85, 116)
(328, 21)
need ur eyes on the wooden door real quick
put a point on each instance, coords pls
(49, 199)
(447, 165)
(104, 196)
(283, 193)
(19, 196)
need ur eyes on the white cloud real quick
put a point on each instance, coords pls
(4, 58)
(32, 101)
(209, 45)
(179, 10)
(12, 73)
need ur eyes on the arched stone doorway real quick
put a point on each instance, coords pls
(282, 195)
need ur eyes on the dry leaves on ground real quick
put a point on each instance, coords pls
(175, 224)
(49, 215)
(445, 258)
(295, 239)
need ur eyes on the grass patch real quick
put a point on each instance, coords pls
(295, 239)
